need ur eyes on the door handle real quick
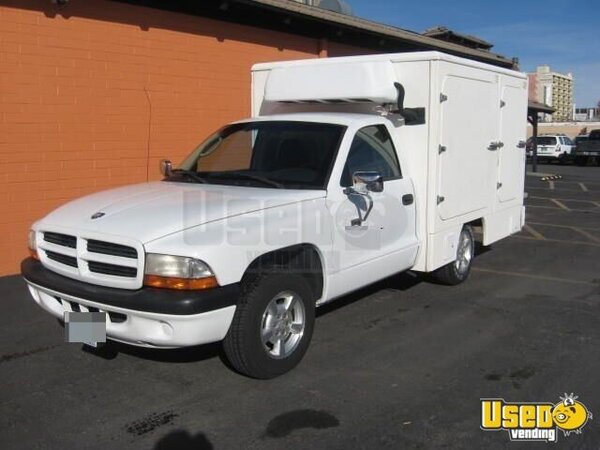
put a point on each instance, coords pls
(407, 199)
(521, 144)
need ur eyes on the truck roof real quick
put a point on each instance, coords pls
(333, 117)
(393, 57)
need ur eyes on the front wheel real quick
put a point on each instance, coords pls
(272, 326)
(458, 271)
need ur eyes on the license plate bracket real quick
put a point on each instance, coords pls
(85, 327)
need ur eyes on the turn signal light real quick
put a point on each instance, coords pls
(185, 284)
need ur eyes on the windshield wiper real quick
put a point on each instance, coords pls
(190, 174)
(248, 176)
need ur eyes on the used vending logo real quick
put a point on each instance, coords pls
(534, 421)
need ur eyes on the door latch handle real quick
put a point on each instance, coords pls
(521, 144)
(495, 145)
(407, 199)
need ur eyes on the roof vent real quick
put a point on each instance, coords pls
(338, 6)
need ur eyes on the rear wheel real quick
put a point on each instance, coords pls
(458, 271)
(272, 326)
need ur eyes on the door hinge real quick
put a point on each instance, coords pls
(502, 103)
(440, 199)
(498, 185)
(441, 149)
(443, 98)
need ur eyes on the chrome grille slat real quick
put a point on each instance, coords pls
(109, 248)
(112, 269)
(64, 240)
(63, 259)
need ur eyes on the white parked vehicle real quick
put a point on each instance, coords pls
(351, 170)
(555, 147)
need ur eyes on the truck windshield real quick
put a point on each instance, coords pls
(273, 154)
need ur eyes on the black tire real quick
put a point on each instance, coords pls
(454, 273)
(243, 344)
(581, 160)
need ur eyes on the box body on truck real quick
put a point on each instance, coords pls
(350, 170)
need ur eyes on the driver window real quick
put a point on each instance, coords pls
(372, 149)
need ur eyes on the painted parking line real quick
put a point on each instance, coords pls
(590, 236)
(559, 188)
(536, 234)
(590, 211)
(560, 204)
(583, 187)
(555, 225)
(557, 241)
(534, 277)
(551, 185)
(593, 202)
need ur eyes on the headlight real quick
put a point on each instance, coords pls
(32, 244)
(178, 272)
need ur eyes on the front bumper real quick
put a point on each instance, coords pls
(146, 317)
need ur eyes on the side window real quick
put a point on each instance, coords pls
(371, 149)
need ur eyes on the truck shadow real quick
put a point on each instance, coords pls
(178, 355)
(398, 282)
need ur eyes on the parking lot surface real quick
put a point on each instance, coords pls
(400, 364)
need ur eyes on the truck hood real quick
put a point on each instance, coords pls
(149, 211)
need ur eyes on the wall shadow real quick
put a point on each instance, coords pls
(196, 18)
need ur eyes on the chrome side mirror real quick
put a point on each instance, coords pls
(363, 183)
(166, 168)
(367, 181)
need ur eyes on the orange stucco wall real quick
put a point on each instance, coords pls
(94, 94)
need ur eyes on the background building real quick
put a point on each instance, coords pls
(555, 90)
(586, 114)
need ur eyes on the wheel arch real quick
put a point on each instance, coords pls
(304, 258)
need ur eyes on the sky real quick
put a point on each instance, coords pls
(560, 33)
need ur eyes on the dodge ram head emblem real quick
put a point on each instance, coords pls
(98, 215)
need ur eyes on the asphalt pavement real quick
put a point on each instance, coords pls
(401, 364)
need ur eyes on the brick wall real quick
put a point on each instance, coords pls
(94, 94)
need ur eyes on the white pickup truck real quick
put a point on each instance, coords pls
(350, 170)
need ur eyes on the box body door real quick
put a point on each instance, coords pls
(467, 168)
(511, 156)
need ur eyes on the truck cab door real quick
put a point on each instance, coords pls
(386, 242)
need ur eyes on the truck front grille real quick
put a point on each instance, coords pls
(117, 263)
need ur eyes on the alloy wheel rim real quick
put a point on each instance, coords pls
(464, 255)
(283, 324)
